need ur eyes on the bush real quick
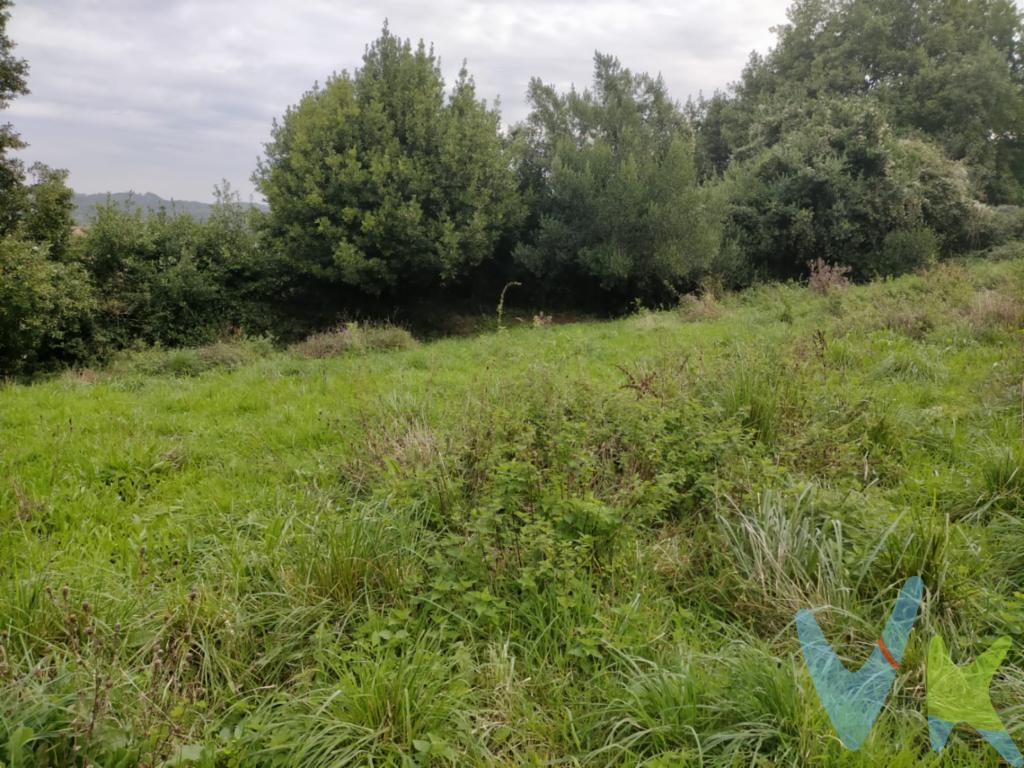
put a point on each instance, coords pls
(836, 184)
(693, 308)
(172, 280)
(236, 352)
(1007, 251)
(388, 337)
(49, 203)
(192, 361)
(824, 277)
(351, 338)
(904, 250)
(936, 194)
(1003, 223)
(47, 310)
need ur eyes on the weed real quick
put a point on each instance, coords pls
(753, 396)
(353, 338)
(823, 278)
(993, 310)
(500, 311)
(582, 546)
(704, 307)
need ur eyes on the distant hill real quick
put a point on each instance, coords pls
(85, 204)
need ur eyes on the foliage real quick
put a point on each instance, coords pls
(47, 309)
(584, 542)
(391, 196)
(610, 173)
(379, 184)
(229, 353)
(835, 186)
(907, 249)
(353, 337)
(948, 70)
(575, 544)
(824, 277)
(48, 210)
(13, 83)
(172, 279)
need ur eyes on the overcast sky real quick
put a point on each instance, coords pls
(170, 96)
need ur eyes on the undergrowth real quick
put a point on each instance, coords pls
(574, 544)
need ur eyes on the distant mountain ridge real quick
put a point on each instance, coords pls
(85, 204)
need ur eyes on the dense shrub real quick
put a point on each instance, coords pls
(172, 279)
(943, 69)
(937, 194)
(838, 186)
(391, 195)
(906, 249)
(47, 309)
(1002, 223)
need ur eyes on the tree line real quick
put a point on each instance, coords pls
(877, 134)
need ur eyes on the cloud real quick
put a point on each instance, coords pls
(170, 96)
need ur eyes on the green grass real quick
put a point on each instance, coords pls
(557, 545)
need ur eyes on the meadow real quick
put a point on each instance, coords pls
(548, 544)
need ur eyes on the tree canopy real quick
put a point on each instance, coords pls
(948, 70)
(611, 176)
(840, 185)
(381, 182)
(13, 83)
(877, 135)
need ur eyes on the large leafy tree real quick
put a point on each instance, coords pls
(13, 83)
(839, 185)
(381, 183)
(49, 205)
(47, 308)
(611, 176)
(951, 70)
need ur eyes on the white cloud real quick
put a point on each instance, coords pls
(172, 95)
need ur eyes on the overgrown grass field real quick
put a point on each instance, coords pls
(576, 544)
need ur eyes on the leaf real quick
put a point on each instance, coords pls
(16, 751)
(187, 753)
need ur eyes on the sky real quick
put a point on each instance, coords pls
(171, 96)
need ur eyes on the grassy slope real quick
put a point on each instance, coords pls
(579, 544)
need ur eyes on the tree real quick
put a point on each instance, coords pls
(719, 130)
(13, 83)
(611, 173)
(379, 185)
(839, 185)
(47, 309)
(49, 206)
(951, 70)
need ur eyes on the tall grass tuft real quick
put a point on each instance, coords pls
(353, 338)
